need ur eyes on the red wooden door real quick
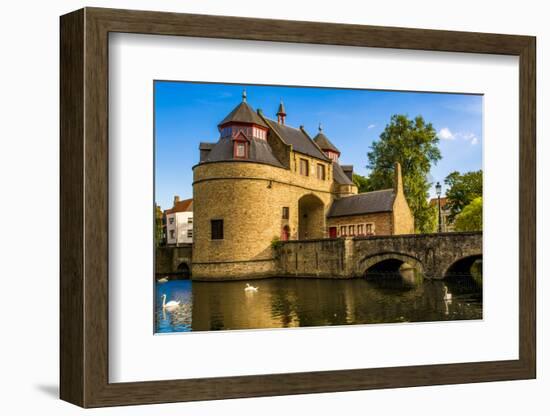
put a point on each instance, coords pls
(332, 232)
(285, 235)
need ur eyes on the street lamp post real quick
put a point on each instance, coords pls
(438, 192)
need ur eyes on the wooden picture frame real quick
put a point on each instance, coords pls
(84, 207)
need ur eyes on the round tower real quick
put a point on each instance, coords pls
(235, 200)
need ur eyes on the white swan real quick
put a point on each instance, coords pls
(169, 305)
(249, 288)
(447, 295)
(162, 279)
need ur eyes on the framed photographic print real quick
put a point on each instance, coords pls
(255, 207)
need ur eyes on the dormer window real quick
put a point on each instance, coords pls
(240, 146)
(332, 155)
(240, 149)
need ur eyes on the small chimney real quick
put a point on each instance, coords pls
(398, 185)
(281, 113)
(176, 199)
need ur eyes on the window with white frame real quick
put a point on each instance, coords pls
(240, 149)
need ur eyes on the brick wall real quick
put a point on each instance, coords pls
(382, 222)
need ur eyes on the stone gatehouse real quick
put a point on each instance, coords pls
(263, 181)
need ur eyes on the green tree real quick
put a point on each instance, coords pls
(471, 217)
(462, 189)
(362, 183)
(413, 143)
(158, 226)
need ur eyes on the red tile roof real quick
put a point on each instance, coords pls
(181, 206)
(442, 202)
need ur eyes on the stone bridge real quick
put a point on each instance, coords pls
(174, 260)
(435, 255)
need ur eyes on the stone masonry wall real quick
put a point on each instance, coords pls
(403, 220)
(402, 217)
(236, 270)
(167, 259)
(314, 258)
(436, 252)
(249, 197)
(350, 257)
(335, 258)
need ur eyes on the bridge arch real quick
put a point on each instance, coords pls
(389, 262)
(462, 266)
(184, 270)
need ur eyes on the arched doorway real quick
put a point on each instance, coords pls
(311, 217)
(285, 233)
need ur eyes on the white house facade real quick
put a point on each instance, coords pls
(179, 222)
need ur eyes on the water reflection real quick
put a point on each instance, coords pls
(285, 303)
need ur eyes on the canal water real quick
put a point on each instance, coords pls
(287, 302)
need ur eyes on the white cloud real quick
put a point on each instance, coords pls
(371, 126)
(446, 134)
(470, 137)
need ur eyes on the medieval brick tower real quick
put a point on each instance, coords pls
(260, 182)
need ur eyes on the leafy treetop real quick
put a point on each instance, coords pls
(462, 189)
(413, 143)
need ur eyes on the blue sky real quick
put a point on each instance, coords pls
(188, 113)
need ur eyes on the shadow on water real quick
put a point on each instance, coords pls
(287, 302)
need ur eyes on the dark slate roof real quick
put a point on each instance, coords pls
(258, 151)
(243, 113)
(348, 170)
(339, 175)
(298, 139)
(324, 143)
(206, 145)
(366, 203)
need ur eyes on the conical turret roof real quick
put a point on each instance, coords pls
(243, 113)
(323, 142)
